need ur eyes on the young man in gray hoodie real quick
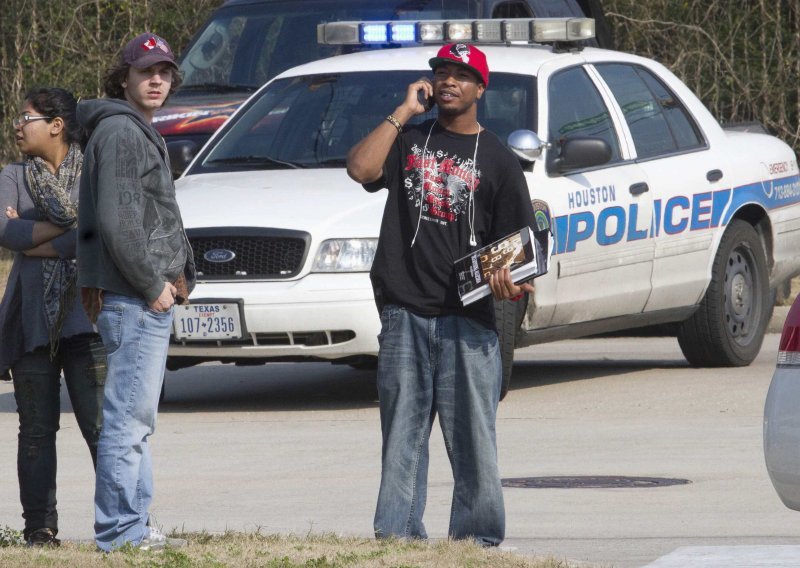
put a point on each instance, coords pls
(134, 264)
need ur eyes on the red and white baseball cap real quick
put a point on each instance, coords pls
(465, 55)
(147, 49)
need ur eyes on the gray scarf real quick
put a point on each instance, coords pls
(51, 195)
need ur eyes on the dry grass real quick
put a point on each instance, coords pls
(271, 551)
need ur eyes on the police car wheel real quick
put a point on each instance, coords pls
(508, 317)
(728, 327)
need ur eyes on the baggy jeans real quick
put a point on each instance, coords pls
(450, 366)
(37, 391)
(136, 340)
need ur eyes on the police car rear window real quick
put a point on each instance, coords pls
(656, 118)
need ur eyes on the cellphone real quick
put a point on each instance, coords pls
(426, 102)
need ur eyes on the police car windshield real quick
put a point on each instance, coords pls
(314, 120)
(248, 44)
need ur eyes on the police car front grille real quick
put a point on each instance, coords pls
(289, 338)
(248, 253)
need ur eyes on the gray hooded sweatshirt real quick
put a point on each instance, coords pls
(130, 233)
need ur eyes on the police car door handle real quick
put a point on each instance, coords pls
(714, 175)
(638, 188)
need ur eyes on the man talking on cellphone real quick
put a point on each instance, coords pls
(453, 187)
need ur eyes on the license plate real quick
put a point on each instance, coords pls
(208, 320)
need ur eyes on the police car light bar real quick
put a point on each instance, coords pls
(530, 30)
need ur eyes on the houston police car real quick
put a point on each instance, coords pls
(661, 216)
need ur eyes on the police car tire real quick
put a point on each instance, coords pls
(508, 317)
(719, 334)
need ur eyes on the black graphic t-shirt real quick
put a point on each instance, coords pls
(492, 198)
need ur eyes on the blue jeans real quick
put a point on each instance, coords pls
(37, 389)
(450, 366)
(136, 339)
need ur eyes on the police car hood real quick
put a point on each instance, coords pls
(319, 201)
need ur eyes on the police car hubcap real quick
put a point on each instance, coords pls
(739, 296)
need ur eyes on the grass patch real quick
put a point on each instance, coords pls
(273, 551)
(10, 537)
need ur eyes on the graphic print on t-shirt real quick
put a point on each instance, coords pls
(448, 181)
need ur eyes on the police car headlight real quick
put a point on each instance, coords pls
(345, 255)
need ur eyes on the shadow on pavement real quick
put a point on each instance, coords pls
(323, 386)
(527, 374)
(274, 386)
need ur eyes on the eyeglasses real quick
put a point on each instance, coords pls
(24, 119)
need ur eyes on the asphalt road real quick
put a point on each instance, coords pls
(294, 448)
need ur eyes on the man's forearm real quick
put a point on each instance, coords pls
(365, 160)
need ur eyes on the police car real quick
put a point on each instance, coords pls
(661, 216)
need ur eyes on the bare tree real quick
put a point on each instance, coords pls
(70, 43)
(741, 58)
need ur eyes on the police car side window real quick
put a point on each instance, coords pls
(576, 109)
(657, 121)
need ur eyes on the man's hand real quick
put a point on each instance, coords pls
(503, 287)
(166, 300)
(11, 213)
(423, 86)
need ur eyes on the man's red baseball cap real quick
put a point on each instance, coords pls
(465, 55)
(147, 49)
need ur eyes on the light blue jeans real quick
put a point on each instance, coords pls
(136, 340)
(450, 366)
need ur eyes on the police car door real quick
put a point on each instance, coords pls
(685, 174)
(602, 216)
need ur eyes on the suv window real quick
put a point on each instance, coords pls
(512, 10)
(658, 122)
(245, 45)
(577, 109)
(313, 121)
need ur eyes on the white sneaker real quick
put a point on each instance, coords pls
(157, 541)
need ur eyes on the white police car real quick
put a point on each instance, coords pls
(661, 216)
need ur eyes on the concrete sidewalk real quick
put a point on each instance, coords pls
(778, 556)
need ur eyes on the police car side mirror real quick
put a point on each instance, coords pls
(579, 153)
(181, 153)
(526, 145)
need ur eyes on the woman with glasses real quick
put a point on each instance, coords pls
(44, 329)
